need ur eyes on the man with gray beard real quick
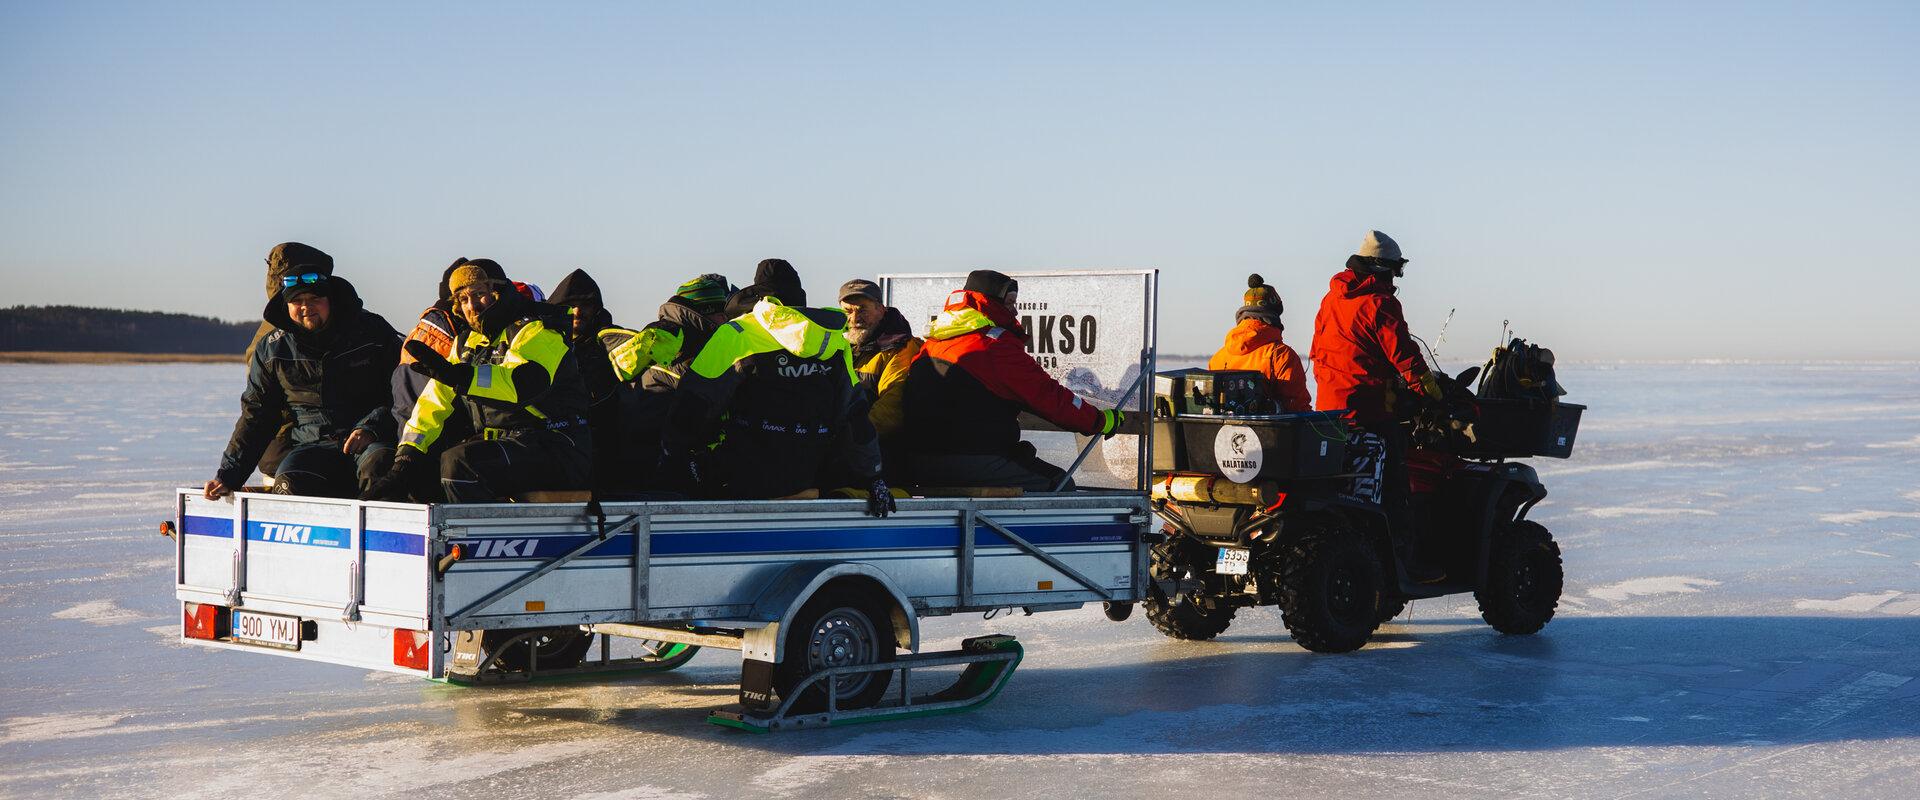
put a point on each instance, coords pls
(883, 347)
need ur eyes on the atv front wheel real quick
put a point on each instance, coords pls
(1181, 616)
(1524, 579)
(1330, 588)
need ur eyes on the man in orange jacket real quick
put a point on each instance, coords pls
(1364, 359)
(1254, 344)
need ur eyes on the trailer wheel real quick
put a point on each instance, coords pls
(557, 647)
(1524, 579)
(837, 627)
(1330, 589)
(1182, 616)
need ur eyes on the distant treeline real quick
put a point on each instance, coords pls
(110, 330)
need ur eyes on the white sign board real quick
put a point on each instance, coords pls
(1092, 330)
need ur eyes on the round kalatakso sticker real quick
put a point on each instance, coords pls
(1236, 449)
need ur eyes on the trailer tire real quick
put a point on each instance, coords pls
(1182, 616)
(1524, 579)
(559, 648)
(1330, 590)
(839, 626)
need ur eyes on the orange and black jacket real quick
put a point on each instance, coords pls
(1255, 344)
(973, 377)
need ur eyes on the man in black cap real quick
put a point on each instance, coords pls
(965, 392)
(286, 258)
(326, 365)
(883, 348)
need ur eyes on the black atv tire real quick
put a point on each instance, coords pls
(1180, 617)
(559, 648)
(837, 627)
(1524, 579)
(1330, 590)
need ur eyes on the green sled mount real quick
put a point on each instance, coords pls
(989, 662)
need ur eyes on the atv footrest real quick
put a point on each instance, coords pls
(989, 661)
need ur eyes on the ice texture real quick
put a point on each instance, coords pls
(1742, 619)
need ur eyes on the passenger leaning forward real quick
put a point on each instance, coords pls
(770, 408)
(966, 391)
(325, 366)
(515, 378)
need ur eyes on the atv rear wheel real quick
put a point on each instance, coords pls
(1524, 579)
(1391, 607)
(1181, 616)
(1330, 589)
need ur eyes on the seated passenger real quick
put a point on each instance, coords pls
(1254, 344)
(686, 320)
(883, 348)
(770, 408)
(965, 392)
(612, 360)
(520, 388)
(439, 327)
(326, 364)
(286, 258)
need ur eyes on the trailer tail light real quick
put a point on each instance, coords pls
(411, 648)
(202, 621)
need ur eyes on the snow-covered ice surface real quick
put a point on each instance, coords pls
(1742, 619)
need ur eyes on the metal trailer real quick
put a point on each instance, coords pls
(815, 595)
(408, 588)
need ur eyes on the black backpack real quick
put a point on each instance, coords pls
(1520, 371)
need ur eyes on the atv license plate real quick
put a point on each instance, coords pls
(270, 630)
(1232, 561)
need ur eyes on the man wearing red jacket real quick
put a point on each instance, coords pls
(1365, 359)
(966, 389)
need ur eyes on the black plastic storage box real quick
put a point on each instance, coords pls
(1524, 428)
(1207, 391)
(1304, 445)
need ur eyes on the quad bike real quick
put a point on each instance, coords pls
(1310, 534)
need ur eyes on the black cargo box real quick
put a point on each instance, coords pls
(1524, 428)
(1208, 391)
(1243, 448)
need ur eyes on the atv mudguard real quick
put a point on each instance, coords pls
(1507, 491)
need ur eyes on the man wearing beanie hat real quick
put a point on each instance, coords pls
(707, 294)
(438, 327)
(520, 388)
(770, 408)
(1254, 344)
(325, 366)
(1365, 359)
(965, 392)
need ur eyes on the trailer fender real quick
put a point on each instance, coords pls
(783, 599)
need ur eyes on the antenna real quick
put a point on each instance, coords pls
(1442, 338)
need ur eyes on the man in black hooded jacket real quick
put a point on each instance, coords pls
(326, 364)
(613, 362)
(286, 258)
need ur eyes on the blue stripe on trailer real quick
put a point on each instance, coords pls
(407, 544)
(795, 541)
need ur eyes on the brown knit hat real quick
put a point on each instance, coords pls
(468, 275)
(1260, 294)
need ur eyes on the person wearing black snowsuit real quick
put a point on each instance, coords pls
(591, 335)
(643, 413)
(439, 327)
(286, 258)
(517, 382)
(331, 381)
(774, 387)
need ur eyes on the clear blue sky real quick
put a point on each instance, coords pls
(1622, 180)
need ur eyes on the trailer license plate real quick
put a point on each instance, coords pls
(271, 630)
(1232, 561)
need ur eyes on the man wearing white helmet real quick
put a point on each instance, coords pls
(1365, 359)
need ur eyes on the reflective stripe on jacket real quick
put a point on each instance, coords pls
(526, 364)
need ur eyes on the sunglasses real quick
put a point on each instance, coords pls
(310, 279)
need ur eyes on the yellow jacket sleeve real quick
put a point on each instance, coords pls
(429, 415)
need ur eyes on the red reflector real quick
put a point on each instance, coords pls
(410, 648)
(201, 621)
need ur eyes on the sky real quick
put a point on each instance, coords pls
(1619, 180)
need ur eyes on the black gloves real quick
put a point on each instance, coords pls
(1110, 421)
(393, 484)
(880, 499)
(430, 363)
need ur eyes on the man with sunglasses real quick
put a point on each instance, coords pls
(519, 385)
(286, 258)
(1365, 359)
(326, 367)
